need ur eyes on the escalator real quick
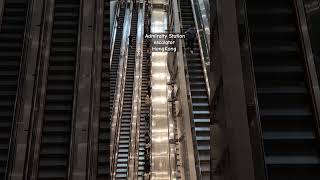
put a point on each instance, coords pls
(103, 168)
(115, 56)
(11, 51)
(199, 95)
(145, 109)
(58, 109)
(290, 141)
(123, 145)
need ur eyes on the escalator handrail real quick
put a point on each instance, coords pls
(204, 20)
(253, 117)
(203, 46)
(200, 27)
(114, 30)
(195, 145)
(311, 74)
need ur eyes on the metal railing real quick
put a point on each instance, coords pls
(311, 74)
(203, 43)
(253, 113)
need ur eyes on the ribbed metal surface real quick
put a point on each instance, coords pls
(289, 138)
(199, 95)
(11, 43)
(125, 121)
(103, 171)
(55, 140)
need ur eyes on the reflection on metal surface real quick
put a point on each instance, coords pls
(160, 164)
(113, 28)
(204, 46)
(159, 2)
(204, 8)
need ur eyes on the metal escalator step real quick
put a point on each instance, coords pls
(54, 147)
(11, 37)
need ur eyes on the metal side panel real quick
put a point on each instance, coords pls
(38, 105)
(309, 60)
(188, 170)
(233, 93)
(79, 160)
(94, 123)
(23, 123)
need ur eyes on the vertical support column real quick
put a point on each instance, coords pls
(235, 113)
(23, 123)
(79, 139)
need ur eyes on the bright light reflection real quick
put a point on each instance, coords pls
(158, 116)
(159, 75)
(159, 64)
(159, 87)
(158, 131)
(160, 100)
(159, 139)
(160, 155)
(159, 55)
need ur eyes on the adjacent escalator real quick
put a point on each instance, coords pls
(123, 144)
(11, 52)
(103, 167)
(199, 95)
(58, 109)
(144, 107)
(116, 56)
(290, 141)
